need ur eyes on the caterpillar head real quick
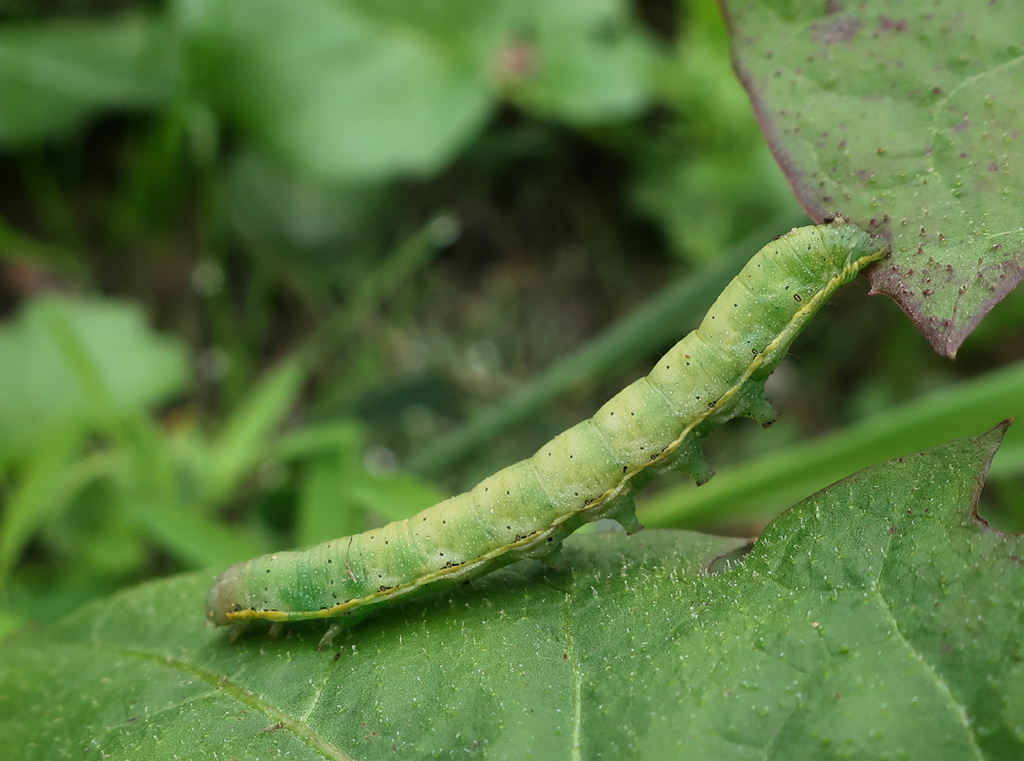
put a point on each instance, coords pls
(224, 596)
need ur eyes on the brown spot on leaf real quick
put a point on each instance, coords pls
(887, 24)
(838, 30)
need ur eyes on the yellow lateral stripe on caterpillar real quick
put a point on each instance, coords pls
(588, 472)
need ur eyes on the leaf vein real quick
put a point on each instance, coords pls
(276, 716)
(958, 707)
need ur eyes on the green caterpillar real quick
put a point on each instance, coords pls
(590, 471)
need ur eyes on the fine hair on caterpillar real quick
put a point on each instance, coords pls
(591, 471)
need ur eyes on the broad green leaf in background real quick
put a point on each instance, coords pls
(582, 63)
(878, 619)
(348, 91)
(40, 386)
(334, 93)
(338, 90)
(904, 116)
(56, 76)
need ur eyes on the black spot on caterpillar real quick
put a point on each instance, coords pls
(726, 360)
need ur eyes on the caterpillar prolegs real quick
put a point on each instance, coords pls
(590, 471)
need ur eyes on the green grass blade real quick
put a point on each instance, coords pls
(776, 481)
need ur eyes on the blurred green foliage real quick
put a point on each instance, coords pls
(258, 254)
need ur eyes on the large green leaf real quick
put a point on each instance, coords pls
(880, 619)
(331, 90)
(903, 115)
(581, 62)
(342, 90)
(356, 91)
(56, 76)
(68, 362)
